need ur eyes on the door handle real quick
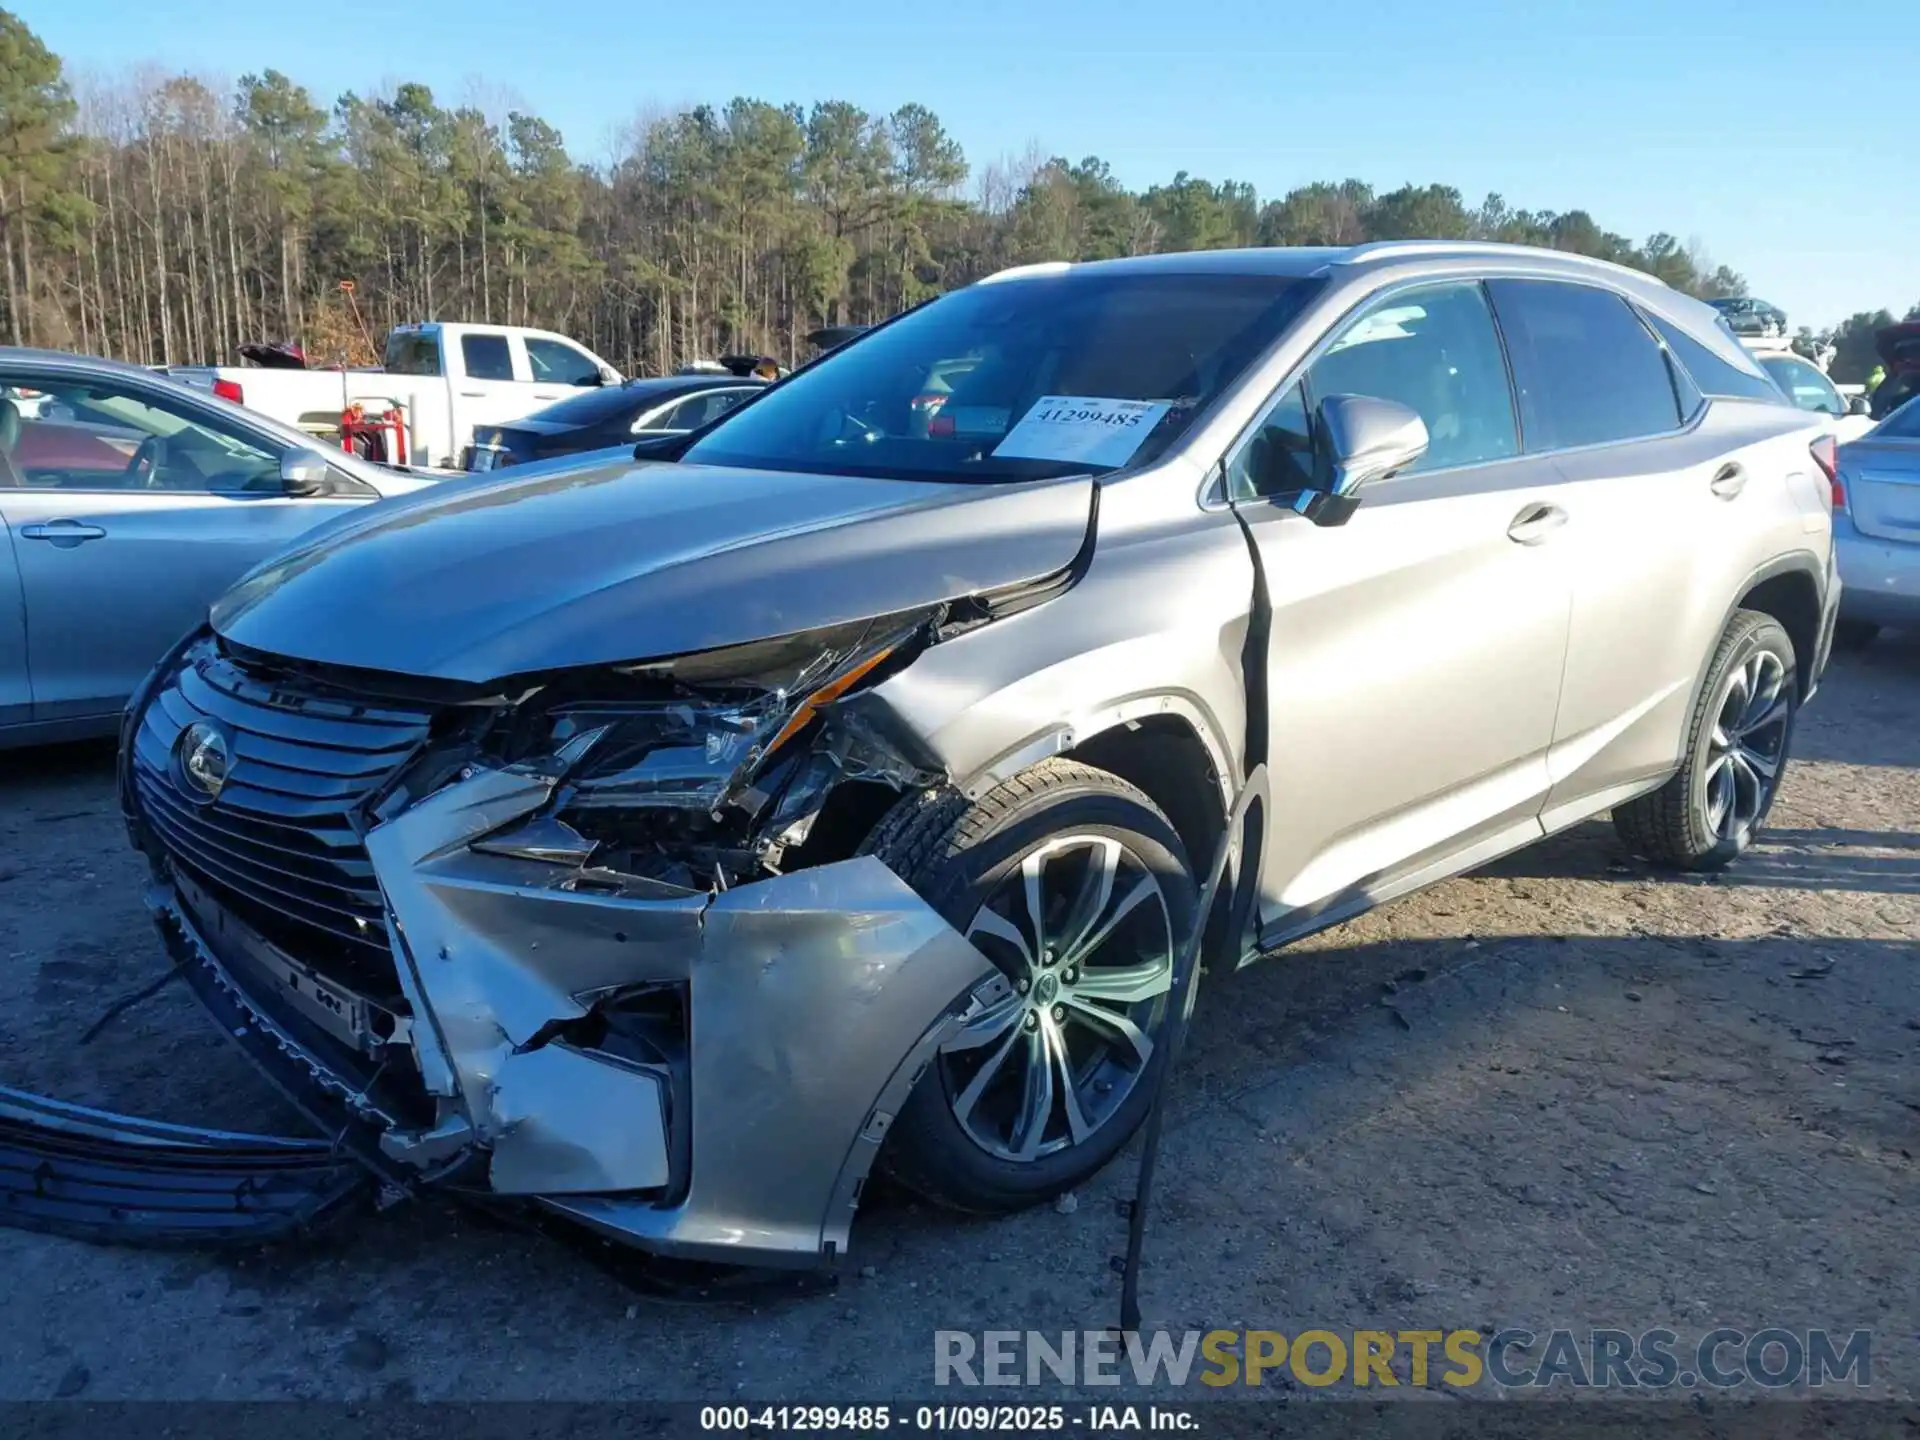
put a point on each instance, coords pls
(1729, 482)
(1535, 523)
(63, 532)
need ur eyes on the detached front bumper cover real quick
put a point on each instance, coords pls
(69, 1170)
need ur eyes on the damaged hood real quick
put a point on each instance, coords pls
(607, 563)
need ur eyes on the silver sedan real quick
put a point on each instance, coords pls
(127, 504)
(1876, 527)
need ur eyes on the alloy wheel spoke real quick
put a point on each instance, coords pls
(1765, 766)
(1747, 788)
(1147, 888)
(1720, 786)
(1036, 1098)
(1096, 889)
(991, 922)
(989, 1025)
(1128, 984)
(1113, 1023)
(1077, 1126)
(963, 1105)
(1031, 870)
(1764, 679)
(1735, 705)
(1774, 715)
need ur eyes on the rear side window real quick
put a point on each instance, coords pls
(486, 357)
(414, 352)
(1714, 374)
(1587, 370)
(555, 364)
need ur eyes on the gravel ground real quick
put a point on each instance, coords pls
(1561, 1091)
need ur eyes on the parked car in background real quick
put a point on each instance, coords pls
(613, 415)
(1809, 388)
(840, 788)
(1746, 316)
(1899, 350)
(1876, 528)
(447, 378)
(127, 503)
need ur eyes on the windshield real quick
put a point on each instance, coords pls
(955, 390)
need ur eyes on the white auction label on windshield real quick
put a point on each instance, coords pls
(1083, 429)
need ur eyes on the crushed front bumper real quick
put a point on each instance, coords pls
(69, 1170)
(811, 1004)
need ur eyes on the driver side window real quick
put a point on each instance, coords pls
(1434, 350)
(94, 436)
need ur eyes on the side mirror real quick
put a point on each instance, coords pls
(660, 445)
(609, 375)
(304, 472)
(1367, 439)
(1859, 405)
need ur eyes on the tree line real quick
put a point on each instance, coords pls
(156, 220)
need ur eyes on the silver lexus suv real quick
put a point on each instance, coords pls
(666, 842)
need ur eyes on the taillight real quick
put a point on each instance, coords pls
(1826, 455)
(941, 427)
(230, 390)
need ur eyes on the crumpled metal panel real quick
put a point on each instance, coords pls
(818, 997)
(570, 1123)
(815, 998)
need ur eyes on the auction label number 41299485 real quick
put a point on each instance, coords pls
(961, 1419)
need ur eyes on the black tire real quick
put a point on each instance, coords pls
(1854, 635)
(1674, 826)
(956, 854)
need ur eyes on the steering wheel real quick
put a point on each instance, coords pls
(863, 430)
(143, 470)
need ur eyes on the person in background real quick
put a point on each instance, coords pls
(1876, 377)
(767, 369)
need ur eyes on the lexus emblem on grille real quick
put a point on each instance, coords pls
(201, 757)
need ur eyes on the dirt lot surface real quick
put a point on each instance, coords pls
(1562, 1091)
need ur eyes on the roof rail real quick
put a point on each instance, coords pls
(1373, 250)
(1042, 267)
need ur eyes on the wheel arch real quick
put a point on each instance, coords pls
(1168, 744)
(1791, 590)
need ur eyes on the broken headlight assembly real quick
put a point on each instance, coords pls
(701, 770)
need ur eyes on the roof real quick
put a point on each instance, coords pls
(26, 355)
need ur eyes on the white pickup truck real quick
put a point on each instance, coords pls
(445, 379)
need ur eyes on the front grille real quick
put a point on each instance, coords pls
(278, 846)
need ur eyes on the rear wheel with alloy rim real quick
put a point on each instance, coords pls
(1076, 887)
(1709, 813)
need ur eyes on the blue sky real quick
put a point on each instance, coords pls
(1771, 132)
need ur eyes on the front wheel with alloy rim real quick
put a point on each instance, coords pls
(1709, 813)
(1076, 887)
